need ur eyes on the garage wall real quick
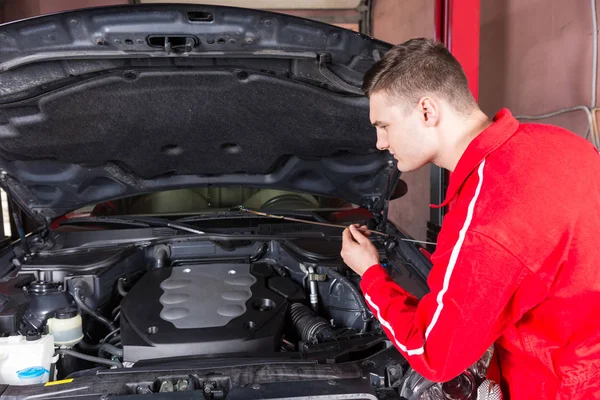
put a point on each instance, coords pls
(536, 58)
(396, 21)
(19, 9)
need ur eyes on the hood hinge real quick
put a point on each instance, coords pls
(323, 59)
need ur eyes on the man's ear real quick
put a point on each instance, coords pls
(430, 111)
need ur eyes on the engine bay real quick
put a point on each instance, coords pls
(186, 299)
(87, 307)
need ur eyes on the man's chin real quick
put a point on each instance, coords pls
(403, 167)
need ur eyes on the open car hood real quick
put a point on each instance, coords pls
(104, 103)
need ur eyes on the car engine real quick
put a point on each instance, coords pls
(204, 309)
(185, 299)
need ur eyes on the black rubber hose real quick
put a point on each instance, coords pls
(115, 340)
(93, 359)
(110, 349)
(308, 325)
(364, 310)
(161, 255)
(116, 310)
(121, 288)
(260, 253)
(89, 311)
(105, 338)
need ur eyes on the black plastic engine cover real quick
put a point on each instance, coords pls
(202, 310)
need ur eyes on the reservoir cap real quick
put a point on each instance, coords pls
(33, 372)
(32, 336)
(65, 313)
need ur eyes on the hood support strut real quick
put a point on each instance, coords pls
(18, 223)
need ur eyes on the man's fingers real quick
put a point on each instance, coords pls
(357, 235)
(362, 228)
(347, 237)
(365, 231)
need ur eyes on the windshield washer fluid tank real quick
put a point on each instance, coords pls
(25, 360)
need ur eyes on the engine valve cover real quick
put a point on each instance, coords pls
(202, 310)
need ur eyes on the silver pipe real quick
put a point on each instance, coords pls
(314, 297)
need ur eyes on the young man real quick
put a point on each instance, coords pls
(518, 257)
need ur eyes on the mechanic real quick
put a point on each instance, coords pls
(517, 262)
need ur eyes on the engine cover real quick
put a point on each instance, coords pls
(202, 310)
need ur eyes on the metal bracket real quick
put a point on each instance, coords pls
(211, 389)
(317, 277)
(322, 61)
(365, 8)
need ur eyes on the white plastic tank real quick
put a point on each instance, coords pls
(66, 327)
(25, 360)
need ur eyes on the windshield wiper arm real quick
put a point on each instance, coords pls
(136, 221)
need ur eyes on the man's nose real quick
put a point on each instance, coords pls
(382, 144)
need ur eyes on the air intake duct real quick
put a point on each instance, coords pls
(308, 325)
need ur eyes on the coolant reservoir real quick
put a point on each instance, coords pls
(66, 327)
(25, 360)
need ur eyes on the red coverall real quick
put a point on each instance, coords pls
(517, 264)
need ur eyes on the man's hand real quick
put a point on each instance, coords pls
(357, 250)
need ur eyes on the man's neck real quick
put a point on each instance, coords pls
(458, 136)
